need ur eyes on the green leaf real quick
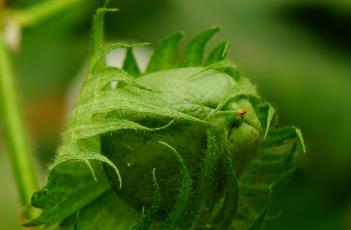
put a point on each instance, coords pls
(258, 222)
(195, 50)
(218, 54)
(276, 160)
(220, 65)
(266, 114)
(227, 66)
(70, 188)
(147, 220)
(224, 218)
(86, 158)
(301, 140)
(164, 56)
(184, 196)
(130, 65)
(199, 212)
(121, 215)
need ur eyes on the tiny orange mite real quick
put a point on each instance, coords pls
(242, 112)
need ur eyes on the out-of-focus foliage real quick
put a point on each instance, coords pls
(292, 49)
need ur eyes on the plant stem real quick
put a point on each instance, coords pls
(21, 156)
(34, 14)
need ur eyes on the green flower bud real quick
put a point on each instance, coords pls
(198, 94)
(177, 142)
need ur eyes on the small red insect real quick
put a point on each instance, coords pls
(242, 112)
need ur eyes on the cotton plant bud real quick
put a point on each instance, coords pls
(183, 141)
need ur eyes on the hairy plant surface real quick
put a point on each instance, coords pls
(188, 144)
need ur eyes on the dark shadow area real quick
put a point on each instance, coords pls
(330, 24)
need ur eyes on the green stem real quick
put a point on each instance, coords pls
(21, 156)
(34, 14)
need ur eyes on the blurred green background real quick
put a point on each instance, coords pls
(297, 52)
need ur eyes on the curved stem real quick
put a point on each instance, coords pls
(21, 156)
